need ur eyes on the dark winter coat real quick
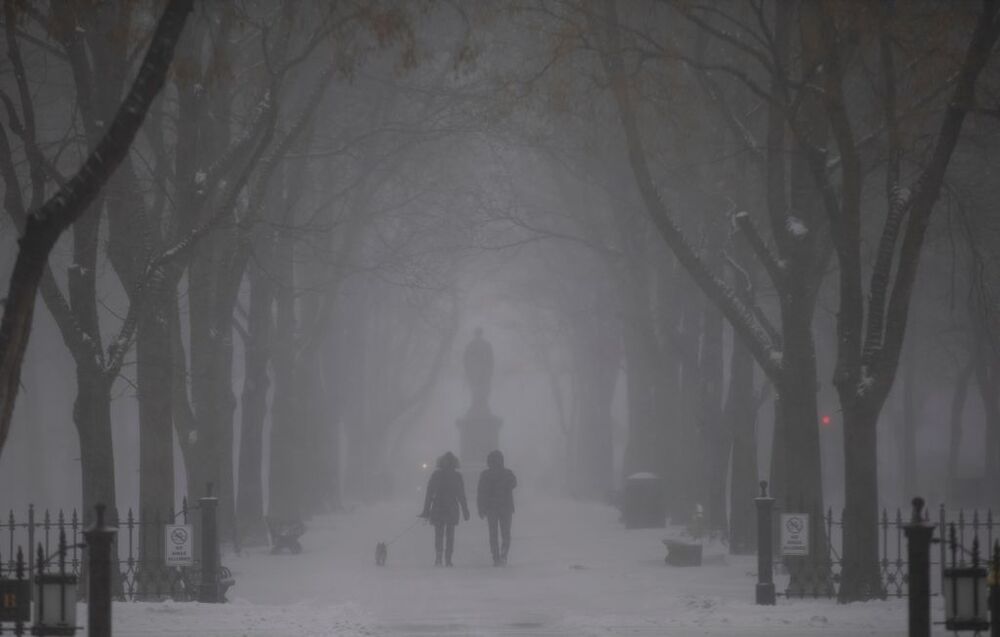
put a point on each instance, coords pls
(495, 494)
(445, 497)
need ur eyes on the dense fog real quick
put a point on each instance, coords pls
(654, 252)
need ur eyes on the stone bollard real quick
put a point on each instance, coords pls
(765, 557)
(208, 590)
(918, 553)
(99, 540)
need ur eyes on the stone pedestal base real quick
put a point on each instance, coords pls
(479, 434)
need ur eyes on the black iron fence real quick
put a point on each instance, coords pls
(818, 574)
(139, 568)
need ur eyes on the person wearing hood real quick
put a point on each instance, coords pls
(445, 498)
(495, 501)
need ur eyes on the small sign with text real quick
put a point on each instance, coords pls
(794, 534)
(179, 545)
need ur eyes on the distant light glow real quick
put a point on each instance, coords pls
(423, 466)
(826, 420)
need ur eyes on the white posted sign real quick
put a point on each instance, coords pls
(179, 545)
(795, 534)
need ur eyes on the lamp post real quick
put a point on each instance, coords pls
(765, 537)
(965, 590)
(55, 595)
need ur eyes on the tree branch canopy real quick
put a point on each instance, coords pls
(740, 317)
(71, 201)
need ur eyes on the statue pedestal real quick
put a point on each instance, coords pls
(478, 434)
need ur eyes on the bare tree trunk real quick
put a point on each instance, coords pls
(801, 486)
(92, 417)
(862, 577)
(154, 378)
(909, 425)
(286, 430)
(958, 400)
(317, 481)
(741, 421)
(331, 402)
(256, 385)
(685, 442)
(647, 439)
(716, 438)
(595, 373)
(988, 381)
(670, 283)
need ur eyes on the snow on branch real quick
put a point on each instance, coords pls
(205, 180)
(767, 257)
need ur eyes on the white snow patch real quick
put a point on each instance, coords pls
(901, 196)
(574, 570)
(796, 227)
(199, 177)
(866, 382)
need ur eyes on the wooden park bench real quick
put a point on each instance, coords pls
(285, 534)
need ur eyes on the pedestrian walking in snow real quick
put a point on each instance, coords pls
(445, 499)
(495, 502)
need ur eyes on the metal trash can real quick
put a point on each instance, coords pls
(643, 503)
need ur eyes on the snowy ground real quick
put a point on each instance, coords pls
(574, 571)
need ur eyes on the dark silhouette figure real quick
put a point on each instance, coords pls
(445, 498)
(495, 502)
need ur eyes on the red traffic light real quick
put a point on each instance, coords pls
(825, 421)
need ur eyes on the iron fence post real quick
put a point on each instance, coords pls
(918, 552)
(99, 539)
(765, 558)
(19, 574)
(208, 590)
(31, 545)
(995, 591)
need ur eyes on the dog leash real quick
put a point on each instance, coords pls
(404, 531)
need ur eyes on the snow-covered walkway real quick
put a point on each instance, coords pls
(573, 571)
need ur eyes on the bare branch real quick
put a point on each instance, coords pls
(766, 256)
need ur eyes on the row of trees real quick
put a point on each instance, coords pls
(692, 183)
(784, 154)
(276, 210)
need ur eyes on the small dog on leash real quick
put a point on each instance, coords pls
(381, 553)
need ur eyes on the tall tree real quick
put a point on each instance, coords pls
(47, 220)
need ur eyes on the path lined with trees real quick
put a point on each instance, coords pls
(748, 220)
